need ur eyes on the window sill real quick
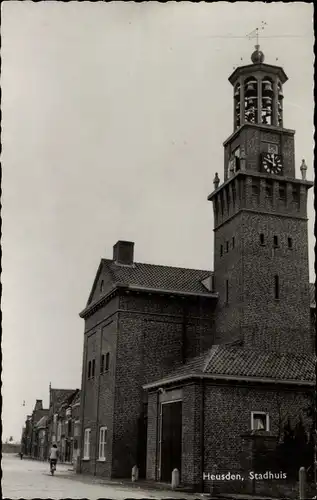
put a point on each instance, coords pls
(85, 459)
(101, 460)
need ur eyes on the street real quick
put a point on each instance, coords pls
(30, 479)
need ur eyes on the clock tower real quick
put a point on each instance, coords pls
(260, 221)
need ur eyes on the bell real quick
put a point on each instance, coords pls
(237, 92)
(280, 92)
(250, 89)
(267, 87)
(267, 104)
(280, 106)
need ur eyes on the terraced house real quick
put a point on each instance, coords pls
(196, 369)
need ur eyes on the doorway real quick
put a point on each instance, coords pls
(171, 439)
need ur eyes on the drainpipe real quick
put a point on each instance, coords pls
(82, 403)
(184, 333)
(202, 436)
(98, 398)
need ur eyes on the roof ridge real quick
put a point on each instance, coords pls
(165, 266)
(212, 353)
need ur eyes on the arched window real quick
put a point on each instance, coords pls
(237, 109)
(267, 101)
(280, 105)
(251, 100)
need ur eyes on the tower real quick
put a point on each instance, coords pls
(260, 221)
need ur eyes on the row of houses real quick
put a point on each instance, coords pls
(59, 424)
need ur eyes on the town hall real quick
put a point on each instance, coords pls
(200, 370)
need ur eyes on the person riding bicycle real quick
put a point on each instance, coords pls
(53, 456)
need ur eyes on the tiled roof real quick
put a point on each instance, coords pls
(312, 295)
(59, 395)
(159, 277)
(236, 361)
(76, 398)
(69, 399)
(41, 423)
(228, 360)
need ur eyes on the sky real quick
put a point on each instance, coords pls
(113, 120)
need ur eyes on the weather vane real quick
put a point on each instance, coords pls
(255, 33)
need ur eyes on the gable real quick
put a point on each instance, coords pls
(103, 283)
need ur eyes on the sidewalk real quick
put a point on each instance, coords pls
(140, 485)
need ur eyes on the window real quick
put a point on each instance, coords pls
(232, 241)
(255, 188)
(261, 239)
(276, 287)
(102, 363)
(89, 369)
(227, 246)
(93, 368)
(295, 194)
(275, 241)
(260, 421)
(107, 361)
(233, 192)
(102, 443)
(221, 250)
(227, 291)
(269, 189)
(76, 428)
(282, 191)
(59, 431)
(87, 444)
(290, 242)
(101, 286)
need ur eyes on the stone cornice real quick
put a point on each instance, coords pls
(126, 288)
(261, 127)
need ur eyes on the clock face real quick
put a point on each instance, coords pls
(272, 163)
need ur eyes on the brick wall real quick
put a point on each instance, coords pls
(250, 267)
(97, 396)
(192, 446)
(152, 437)
(228, 417)
(150, 345)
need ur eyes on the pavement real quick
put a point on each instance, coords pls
(29, 479)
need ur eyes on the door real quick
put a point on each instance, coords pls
(171, 439)
(142, 442)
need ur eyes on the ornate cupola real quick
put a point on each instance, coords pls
(258, 92)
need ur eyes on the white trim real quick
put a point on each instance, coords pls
(87, 432)
(267, 420)
(103, 431)
(236, 378)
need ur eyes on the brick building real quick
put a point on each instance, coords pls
(186, 368)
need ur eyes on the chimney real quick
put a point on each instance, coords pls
(38, 405)
(123, 253)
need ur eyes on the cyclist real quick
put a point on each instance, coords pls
(53, 456)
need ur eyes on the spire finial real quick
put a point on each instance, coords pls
(303, 169)
(257, 56)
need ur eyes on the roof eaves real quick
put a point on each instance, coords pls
(233, 378)
(138, 288)
(95, 305)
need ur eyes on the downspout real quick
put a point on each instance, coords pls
(184, 333)
(82, 404)
(202, 434)
(98, 398)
